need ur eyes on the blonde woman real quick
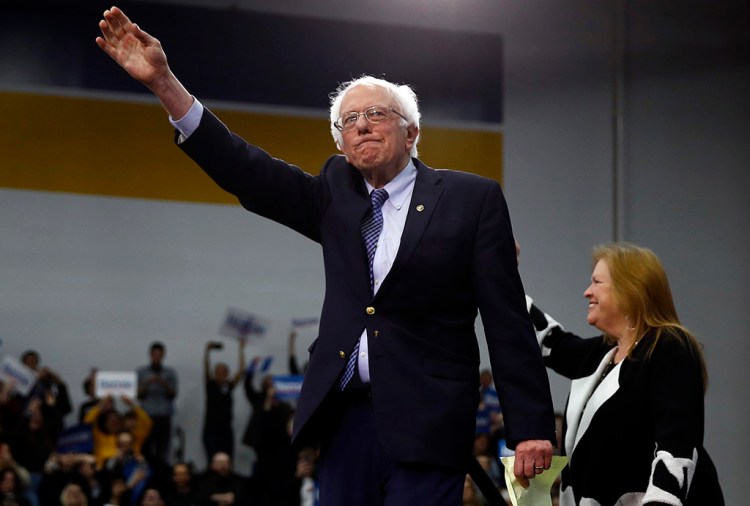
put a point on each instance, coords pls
(635, 416)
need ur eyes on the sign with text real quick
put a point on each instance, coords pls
(287, 386)
(76, 439)
(116, 384)
(241, 324)
(304, 322)
(13, 372)
(259, 365)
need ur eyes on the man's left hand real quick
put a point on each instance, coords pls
(532, 457)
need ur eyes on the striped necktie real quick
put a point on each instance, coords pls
(371, 227)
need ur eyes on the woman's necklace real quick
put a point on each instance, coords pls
(610, 365)
(607, 368)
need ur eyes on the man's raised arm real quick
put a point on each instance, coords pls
(142, 56)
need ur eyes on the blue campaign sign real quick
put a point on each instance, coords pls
(266, 364)
(287, 386)
(262, 364)
(76, 439)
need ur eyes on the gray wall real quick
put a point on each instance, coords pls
(684, 179)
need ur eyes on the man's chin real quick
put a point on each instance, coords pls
(367, 164)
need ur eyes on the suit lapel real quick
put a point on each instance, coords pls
(586, 396)
(427, 191)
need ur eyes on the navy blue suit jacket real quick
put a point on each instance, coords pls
(457, 257)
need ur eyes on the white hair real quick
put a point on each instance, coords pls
(402, 95)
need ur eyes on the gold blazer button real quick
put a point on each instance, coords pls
(342, 355)
(370, 310)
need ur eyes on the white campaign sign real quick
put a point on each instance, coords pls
(22, 378)
(116, 384)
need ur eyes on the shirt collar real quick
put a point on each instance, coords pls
(400, 186)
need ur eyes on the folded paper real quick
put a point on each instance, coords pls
(540, 487)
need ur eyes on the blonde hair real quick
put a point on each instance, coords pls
(641, 291)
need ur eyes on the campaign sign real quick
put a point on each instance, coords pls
(76, 439)
(259, 365)
(287, 386)
(240, 324)
(304, 322)
(116, 384)
(13, 372)
(266, 364)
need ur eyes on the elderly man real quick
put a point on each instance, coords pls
(411, 254)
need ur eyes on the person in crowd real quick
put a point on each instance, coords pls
(12, 491)
(151, 497)
(294, 367)
(50, 389)
(11, 409)
(59, 471)
(489, 415)
(157, 389)
(120, 494)
(487, 391)
(267, 433)
(292, 352)
(31, 359)
(35, 440)
(41, 423)
(73, 495)
(306, 491)
(95, 483)
(411, 256)
(218, 432)
(489, 404)
(220, 486)
(485, 453)
(89, 390)
(134, 421)
(637, 390)
(471, 495)
(182, 491)
(129, 465)
(106, 422)
(22, 475)
(257, 399)
(273, 473)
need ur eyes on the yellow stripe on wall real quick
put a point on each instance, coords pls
(104, 147)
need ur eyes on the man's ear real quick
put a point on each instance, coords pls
(412, 132)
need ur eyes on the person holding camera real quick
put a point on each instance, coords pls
(49, 390)
(157, 389)
(128, 464)
(218, 434)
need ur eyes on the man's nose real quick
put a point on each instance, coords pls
(363, 124)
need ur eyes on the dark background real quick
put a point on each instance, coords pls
(258, 58)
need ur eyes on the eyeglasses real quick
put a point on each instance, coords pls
(375, 114)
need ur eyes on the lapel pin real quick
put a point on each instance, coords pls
(420, 208)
